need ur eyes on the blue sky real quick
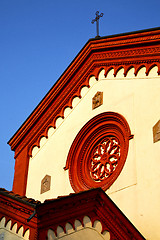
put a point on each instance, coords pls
(39, 39)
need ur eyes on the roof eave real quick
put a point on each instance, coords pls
(52, 94)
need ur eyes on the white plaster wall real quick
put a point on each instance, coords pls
(136, 191)
(7, 235)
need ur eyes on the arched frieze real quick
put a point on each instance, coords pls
(14, 228)
(138, 69)
(78, 228)
(129, 70)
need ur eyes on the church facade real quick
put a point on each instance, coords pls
(94, 139)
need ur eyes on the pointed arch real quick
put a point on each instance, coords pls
(138, 68)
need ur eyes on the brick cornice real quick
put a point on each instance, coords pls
(124, 50)
(93, 203)
(17, 212)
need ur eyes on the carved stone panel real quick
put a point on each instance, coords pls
(156, 132)
(97, 100)
(45, 184)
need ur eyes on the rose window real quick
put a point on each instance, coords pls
(104, 159)
(98, 152)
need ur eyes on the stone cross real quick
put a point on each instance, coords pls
(97, 21)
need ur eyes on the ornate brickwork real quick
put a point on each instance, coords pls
(14, 212)
(57, 218)
(104, 158)
(98, 152)
(140, 49)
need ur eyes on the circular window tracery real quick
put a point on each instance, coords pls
(98, 153)
(104, 158)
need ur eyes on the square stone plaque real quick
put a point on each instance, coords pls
(156, 132)
(97, 100)
(45, 184)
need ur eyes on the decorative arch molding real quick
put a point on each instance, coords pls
(89, 210)
(92, 210)
(98, 152)
(15, 210)
(119, 51)
(77, 227)
(37, 144)
(14, 228)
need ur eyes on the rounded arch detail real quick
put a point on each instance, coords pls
(95, 74)
(98, 152)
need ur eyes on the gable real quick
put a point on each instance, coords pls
(117, 75)
(128, 51)
(122, 53)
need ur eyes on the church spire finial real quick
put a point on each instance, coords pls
(97, 21)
